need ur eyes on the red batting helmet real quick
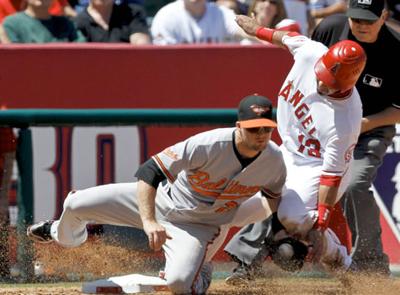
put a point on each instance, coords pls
(341, 66)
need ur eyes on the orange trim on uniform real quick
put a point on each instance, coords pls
(164, 170)
(204, 192)
(219, 195)
(257, 123)
(330, 180)
(202, 261)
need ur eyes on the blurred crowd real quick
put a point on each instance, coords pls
(160, 22)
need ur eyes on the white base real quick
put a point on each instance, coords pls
(134, 283)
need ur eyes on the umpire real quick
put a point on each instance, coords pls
(365, 23)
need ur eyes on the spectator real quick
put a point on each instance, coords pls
(105, 21)
(394, 18)
(62, 7)
(365, 23)
(194, 21)
(318, 9)
(151, 6)
(243, 6)
(36, 25)
(58, 7)
(297, 10)
(271, 14)
(231, 4)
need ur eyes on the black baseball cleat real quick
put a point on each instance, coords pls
(40, 232)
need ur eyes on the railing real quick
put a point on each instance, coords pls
(100, 117)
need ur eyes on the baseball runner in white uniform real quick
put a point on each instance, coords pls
(187, 196)
(319, 116)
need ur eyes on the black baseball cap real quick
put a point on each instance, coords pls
(365, 9)
(255, 111)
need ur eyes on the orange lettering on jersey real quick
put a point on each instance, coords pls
(301, 111)
(296, 98)
(201, 179)
(236, 188)
(286, 90)
(201, 184)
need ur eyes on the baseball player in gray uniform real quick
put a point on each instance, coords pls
(319, 116)
(187, 196)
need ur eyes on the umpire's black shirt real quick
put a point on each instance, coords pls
(379, 83)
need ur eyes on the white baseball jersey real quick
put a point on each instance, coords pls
(173, 24)
(206, 181)
(316, 130)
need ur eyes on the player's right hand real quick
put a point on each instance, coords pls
(156, 234)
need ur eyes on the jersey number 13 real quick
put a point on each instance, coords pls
(309, 146)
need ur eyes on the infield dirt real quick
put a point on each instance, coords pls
(95, 260)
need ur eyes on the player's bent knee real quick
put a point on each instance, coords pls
(74, 202)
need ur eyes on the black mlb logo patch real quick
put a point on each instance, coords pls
(372, 81)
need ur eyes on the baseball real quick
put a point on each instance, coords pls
(286, 251)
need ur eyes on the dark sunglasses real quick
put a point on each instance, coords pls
(363, 21)
(257, 130)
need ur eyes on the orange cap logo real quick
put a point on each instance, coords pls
(259, 110)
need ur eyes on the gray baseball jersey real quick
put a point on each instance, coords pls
(206, 181)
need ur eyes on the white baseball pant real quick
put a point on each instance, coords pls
(298, 210)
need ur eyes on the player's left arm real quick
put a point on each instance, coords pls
(338, 155)
(388, 116)
(327, 194)
(252, 28)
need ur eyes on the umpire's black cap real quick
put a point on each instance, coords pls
(365, 9)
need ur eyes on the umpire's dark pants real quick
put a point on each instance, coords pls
(360, 206)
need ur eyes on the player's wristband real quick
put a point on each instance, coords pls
(324, 216)
(265, 34)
